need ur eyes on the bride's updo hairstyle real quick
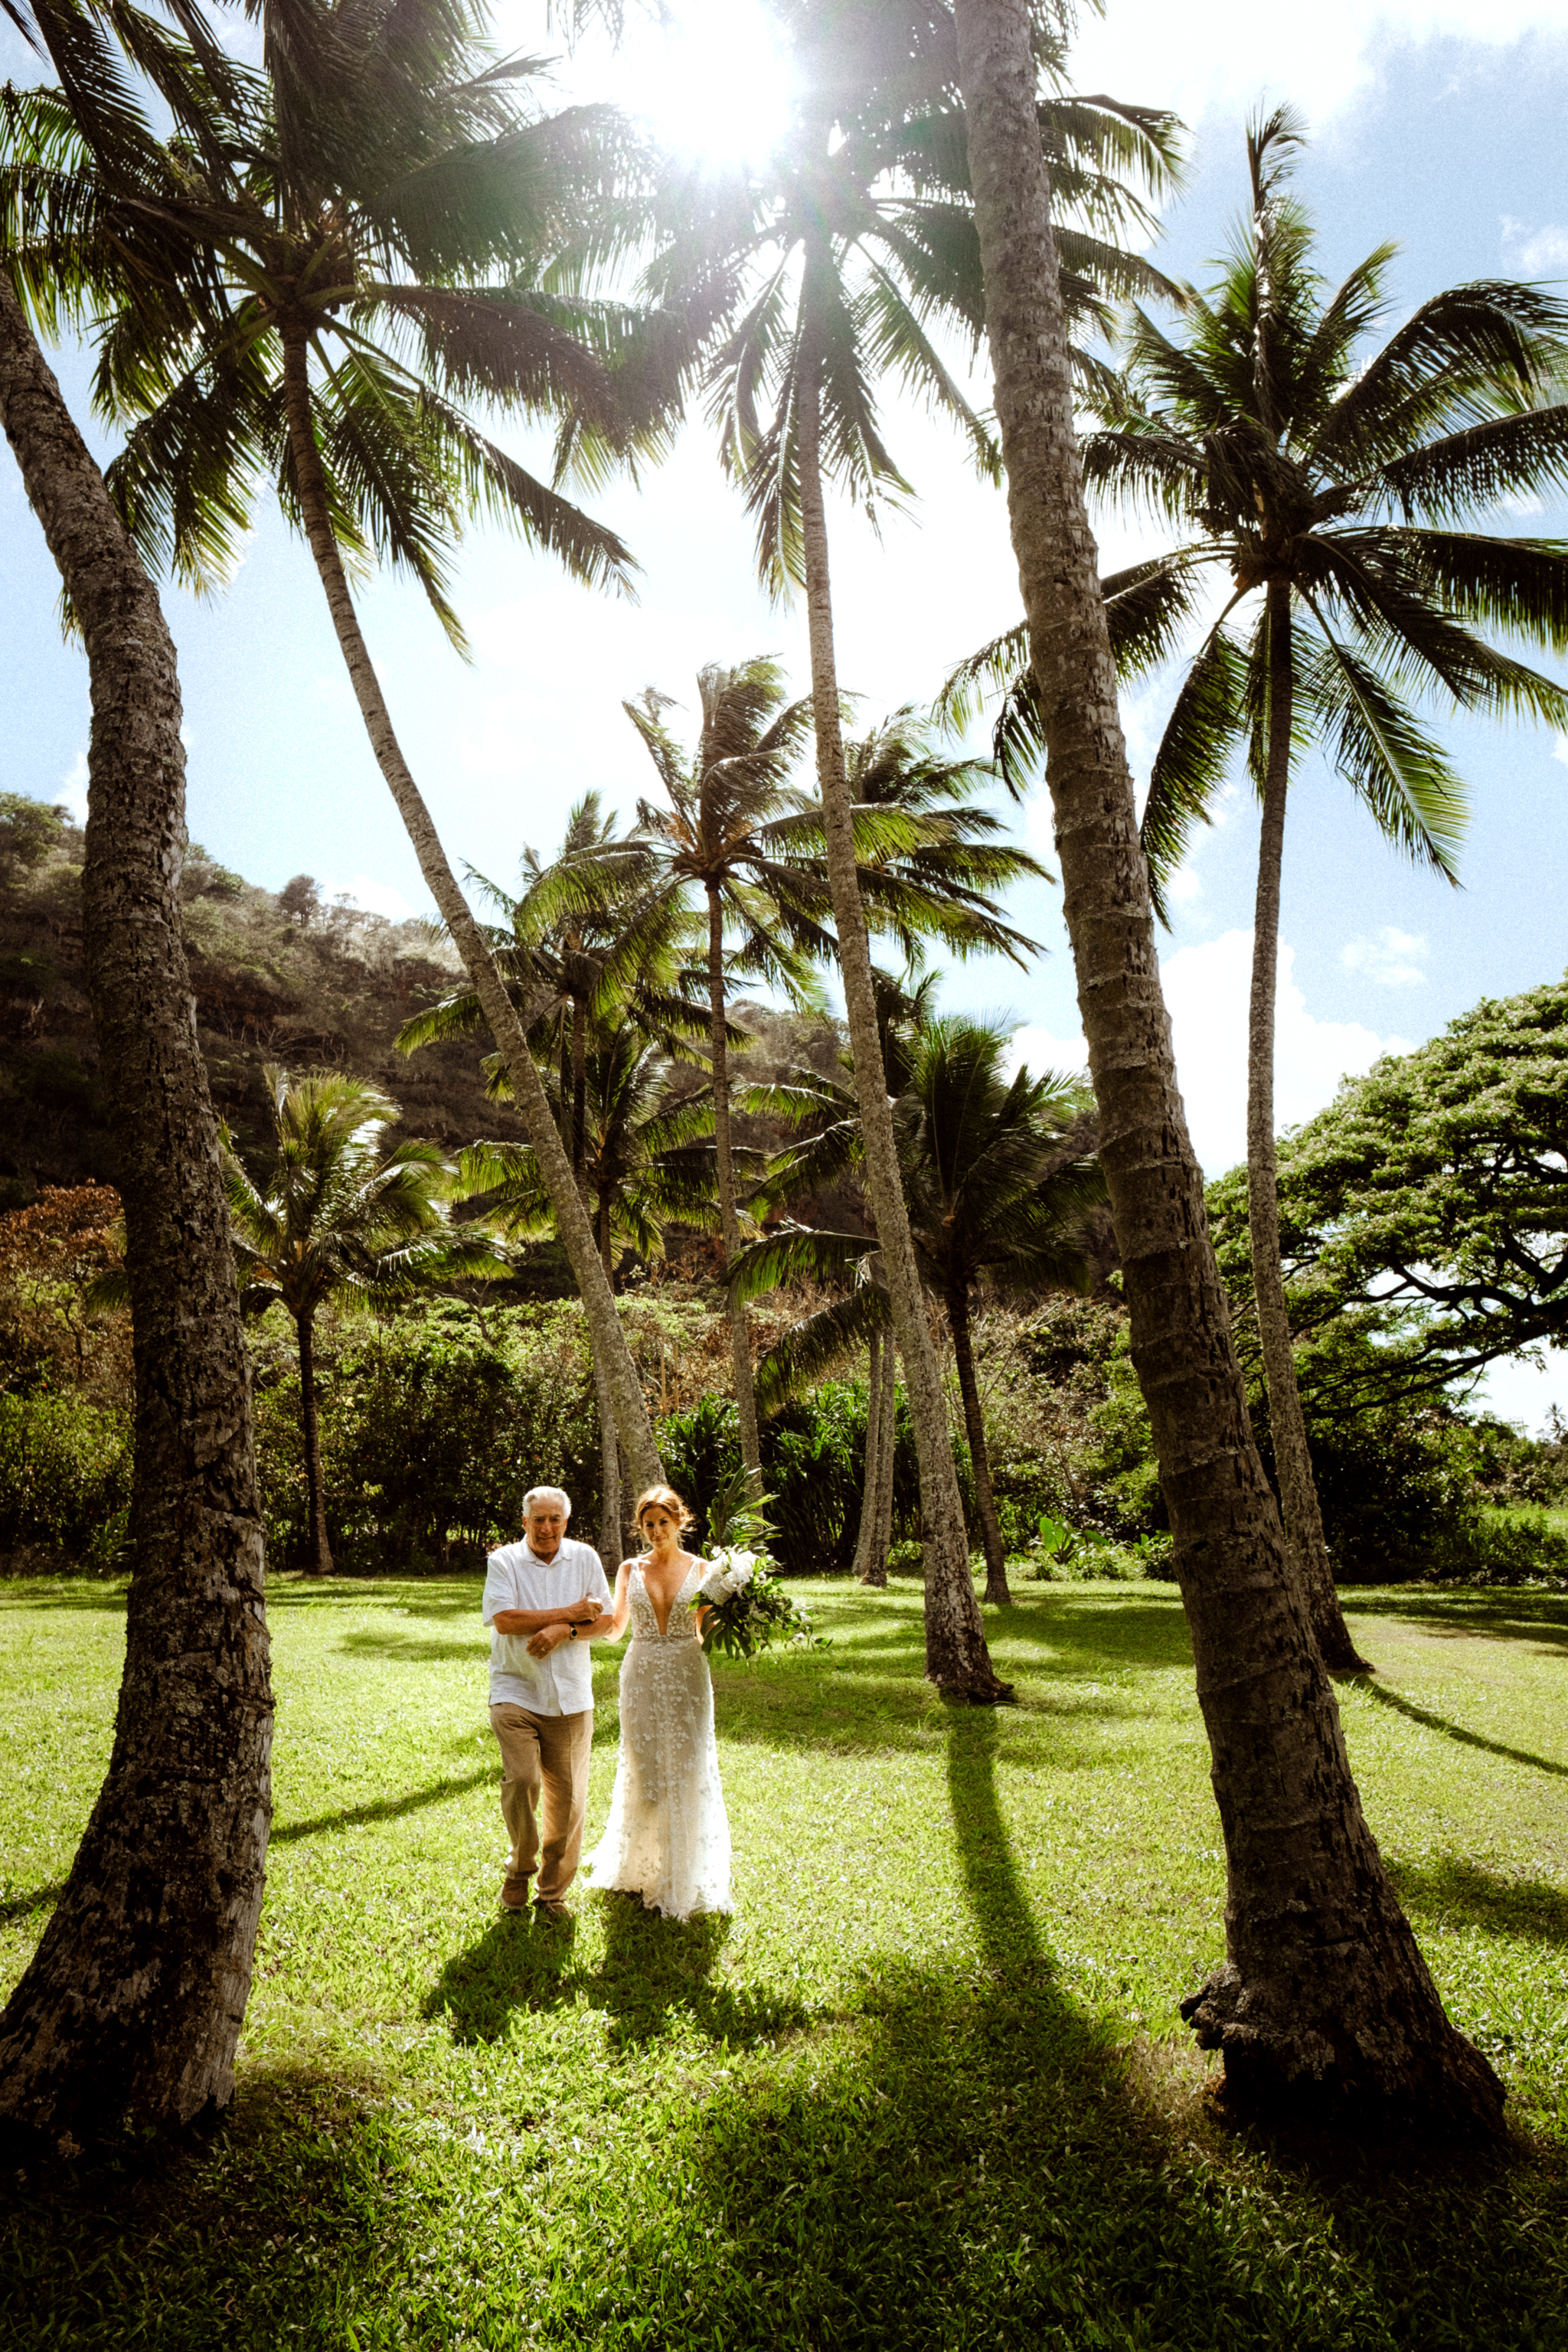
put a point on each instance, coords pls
(668, 1500)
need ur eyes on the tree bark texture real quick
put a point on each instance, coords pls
(882, 1541)
(130, 2012)
(1324, 1990)
(318, 1550)
(554, 1164)
(729, 1222)
(996, 1591)
(610, 1503)
(1288, 1424)
(957, 1659)
(867, 1532)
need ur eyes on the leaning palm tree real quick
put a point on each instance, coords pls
(337, 1220)
(128, 2011)
(824, 272)
(649, 1162)
(1334, 492)
(1324, 1992)
(1000, 1180)
(351, 265)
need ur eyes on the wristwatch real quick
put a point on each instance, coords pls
(574, 1633)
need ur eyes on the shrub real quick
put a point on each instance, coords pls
(64, 1476)
(814, 1456)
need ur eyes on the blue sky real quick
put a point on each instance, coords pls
(1440, 128)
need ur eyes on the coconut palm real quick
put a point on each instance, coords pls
(999, 1179)
(352, 260)
(128, 2011)
(1324, 1989)
(649, 1162)
(822, 273)
(337, 1220)
(595, 937)
(1334, 492)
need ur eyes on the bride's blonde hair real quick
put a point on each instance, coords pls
(667, 1497)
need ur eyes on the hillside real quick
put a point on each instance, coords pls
(278, 978)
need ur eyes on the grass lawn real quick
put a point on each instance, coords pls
(927, 2088)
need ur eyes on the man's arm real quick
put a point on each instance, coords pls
(536, 1620)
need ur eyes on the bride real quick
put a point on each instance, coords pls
(668, 1837)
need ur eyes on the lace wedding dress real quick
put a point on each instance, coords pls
(668, 1837)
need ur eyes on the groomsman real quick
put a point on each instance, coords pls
(546, 1599)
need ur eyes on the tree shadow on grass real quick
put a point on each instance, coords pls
(1407, 1708)
(1452, 1890)
(650, 1970)
(1505, 1613)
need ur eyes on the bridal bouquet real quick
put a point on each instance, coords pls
(748, 1606)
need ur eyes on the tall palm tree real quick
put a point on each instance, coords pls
(1323, 1987)
(338, 1220)
(999, 1178)
(128, 2012)
(352, 257)
(649, 1162)
(595, 936)
(734, 824)
(1335, 494)
(822, 273)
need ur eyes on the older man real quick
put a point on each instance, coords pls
(545, 1600)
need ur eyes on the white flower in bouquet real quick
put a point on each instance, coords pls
(728, 1572)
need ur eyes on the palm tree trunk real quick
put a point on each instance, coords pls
(882, 1541)
(957, 1659)
(610, 1533)
(318, 1550)
(579, 1088)
(1292, 1460)
(128, 2012)
(1324, 1986)
(866, 1535)
(996, 1591)
(729, 1222)
(571, 1217)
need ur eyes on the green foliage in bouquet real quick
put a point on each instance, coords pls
(748, 1607)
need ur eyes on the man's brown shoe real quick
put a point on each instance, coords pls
(514, 1893)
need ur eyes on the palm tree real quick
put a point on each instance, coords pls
(649, 1162)
(1323, 1988)
(350, 259)
(999, 1179)
(128, 2011)
(820, 274)
(595, 937)
(734, 824)
(1334, 493)
(337, 1220)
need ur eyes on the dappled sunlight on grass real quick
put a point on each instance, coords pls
(927, 2087)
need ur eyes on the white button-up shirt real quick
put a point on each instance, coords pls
(561, 1684)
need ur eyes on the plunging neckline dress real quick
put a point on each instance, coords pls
(668, 1837)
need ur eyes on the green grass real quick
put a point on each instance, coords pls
(928, 2088)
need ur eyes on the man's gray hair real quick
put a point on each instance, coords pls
(546, 1494)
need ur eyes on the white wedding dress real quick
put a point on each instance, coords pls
(668, 1837)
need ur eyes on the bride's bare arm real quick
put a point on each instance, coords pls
(611, 1627)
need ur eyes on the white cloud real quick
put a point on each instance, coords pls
(1207, 989)
(376, 898)
(73, 788)
(1318, 56)
(1185, 886)
(1535, 253)
(1389, 958)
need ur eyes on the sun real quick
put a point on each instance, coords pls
(714, 85)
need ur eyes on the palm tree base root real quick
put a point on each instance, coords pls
(1395, 2064)
(987, 1691)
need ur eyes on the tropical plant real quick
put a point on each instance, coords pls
(128, 2012)
(817, 275)
(595, 937)
(999, 1179)
(1335, 491)
(352, 254)
(734, 826)
(1324, 1986)
(338, 1220)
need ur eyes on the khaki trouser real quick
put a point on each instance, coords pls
(553, 1749)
